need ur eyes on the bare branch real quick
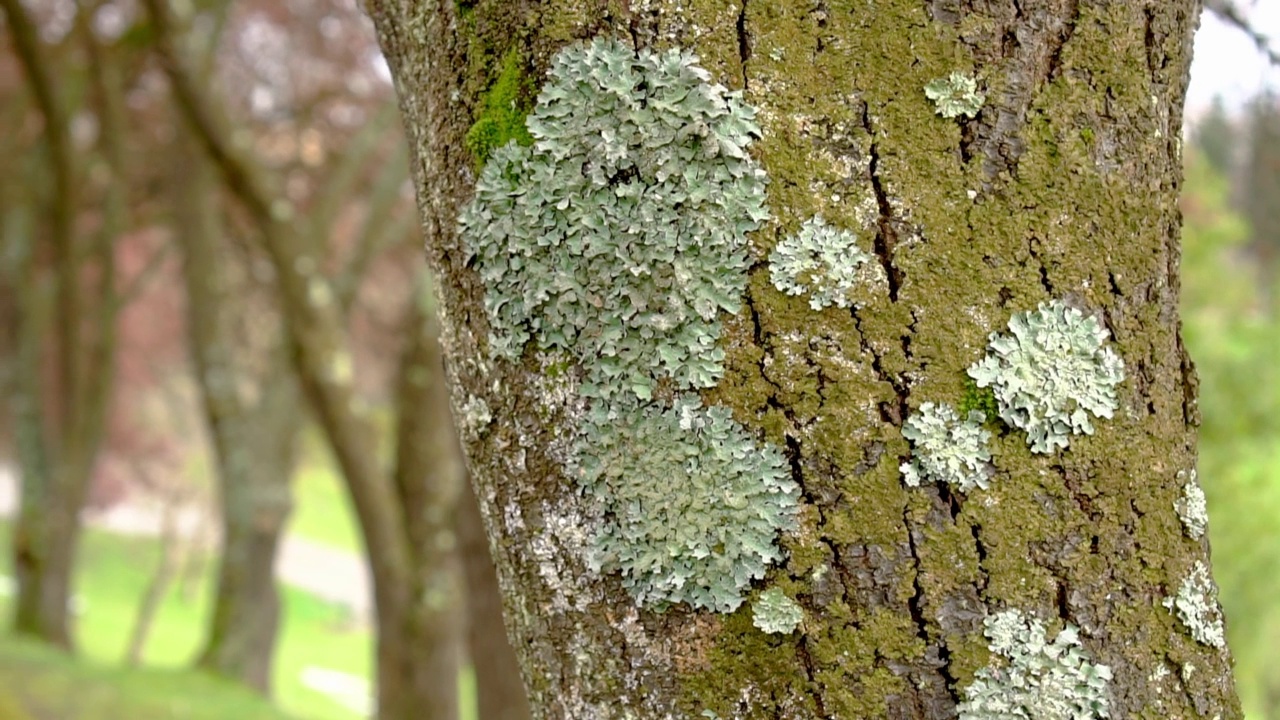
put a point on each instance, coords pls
(1227, 10)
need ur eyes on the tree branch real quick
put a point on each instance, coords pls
(1227, 10)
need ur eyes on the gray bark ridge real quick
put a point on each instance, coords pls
(1061, 188)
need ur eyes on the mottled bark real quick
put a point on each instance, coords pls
(499, 687)
(1064, 187)
(251, 406)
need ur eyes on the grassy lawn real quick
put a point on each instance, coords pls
(112, 573)
(39, 683)
(322, 512)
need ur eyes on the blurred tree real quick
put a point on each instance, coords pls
(59, 420)
(251, 405)
(1260, 184)
(404, 507)
(1064, 186)
(1217, 137)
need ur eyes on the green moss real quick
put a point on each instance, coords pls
(981, 399)
(502, 109)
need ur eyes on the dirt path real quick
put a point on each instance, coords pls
(338, 576)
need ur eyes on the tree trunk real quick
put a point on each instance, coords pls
(153, 597)
(59, 416)
(914, 602)
(252, 407)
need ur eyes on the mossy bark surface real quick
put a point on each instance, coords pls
(1064, 186)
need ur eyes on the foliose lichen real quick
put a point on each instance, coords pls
(947, 448)
(1191, 506)
(955, 95)
(1050, 373)
(619, 236)
(1035, 679)
(824, 262)
(1196, 604)
(692, 503)
(775, 612)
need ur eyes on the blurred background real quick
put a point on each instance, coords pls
(141, 345)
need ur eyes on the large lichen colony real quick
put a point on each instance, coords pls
(611, 230)
(695, 501)
(618, 237)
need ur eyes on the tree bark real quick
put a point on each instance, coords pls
(499, 687)
(1064, 187)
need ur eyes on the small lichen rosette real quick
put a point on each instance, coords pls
(947, 448)
(823, 261)
(1050, 373)
(774, 612)
(1035, 679)
(620, 234)
(955, 95)
(692, 504)
(1196, 604)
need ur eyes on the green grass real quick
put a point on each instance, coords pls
(111, 575)
(322, 511)
(40, 683)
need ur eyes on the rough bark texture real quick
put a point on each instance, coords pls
(499, 687)
(1065, 186)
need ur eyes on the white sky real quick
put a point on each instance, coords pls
(1227, 62)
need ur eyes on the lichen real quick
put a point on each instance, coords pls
(476, 416)
(824, 262)
(947, 448)
(955, 95)
(692, 503)
(775, 612)
(1191, 506)
(1035, 679)
(1050, 373)
(620, 235)
(1196, 605)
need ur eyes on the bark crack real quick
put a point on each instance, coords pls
(744, 43)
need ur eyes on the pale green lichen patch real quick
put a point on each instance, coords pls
(1196, 604)
(775, 612)
(1050, 373)
(620, 235)
(955, 95)
(824, 262)
(947, 448)
(1191, 506)
(693, 503)
(1033, 678)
